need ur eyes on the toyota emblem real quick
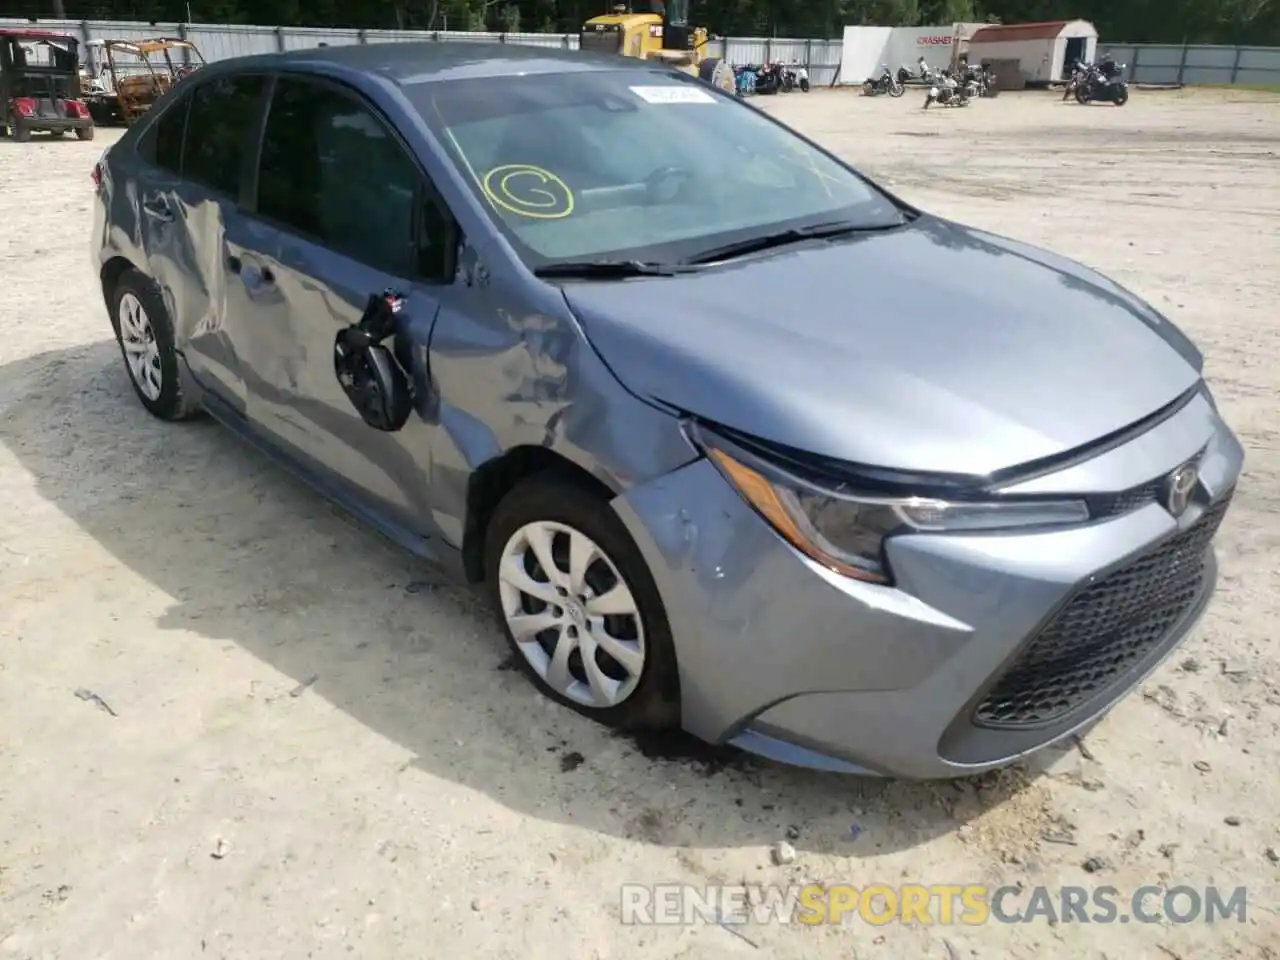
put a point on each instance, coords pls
(1179, 487)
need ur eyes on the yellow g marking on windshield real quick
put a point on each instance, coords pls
(528, 191)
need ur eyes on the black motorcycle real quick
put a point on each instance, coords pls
(885, 83)
(983, 80)
(768, 79)
(1104, 83)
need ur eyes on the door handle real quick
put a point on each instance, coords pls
(158, 209)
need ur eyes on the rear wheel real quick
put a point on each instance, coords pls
(20, 131)
(146, 337)
(579, 606)
(719, 74)
(1082, 94)
(84, 133)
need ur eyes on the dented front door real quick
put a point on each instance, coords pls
(331, 223)
(299, 295)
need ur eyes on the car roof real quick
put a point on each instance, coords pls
(428, 61)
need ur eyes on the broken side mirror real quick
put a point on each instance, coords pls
(367, 369)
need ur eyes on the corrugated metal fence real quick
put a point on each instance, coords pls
(1165, 63)
(1147, 63)
(220, 41)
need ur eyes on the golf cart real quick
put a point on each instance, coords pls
(130, 75)
(40, 84)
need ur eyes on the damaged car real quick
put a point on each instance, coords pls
(721, 453)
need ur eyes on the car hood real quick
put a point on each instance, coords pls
(931, 347)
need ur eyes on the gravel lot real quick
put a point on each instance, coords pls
(313, 750)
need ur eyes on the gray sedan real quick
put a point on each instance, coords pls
(735, 439)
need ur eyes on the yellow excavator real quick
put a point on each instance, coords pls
(660, 33)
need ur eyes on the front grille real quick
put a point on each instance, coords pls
(1105, 506)
(1103, 631)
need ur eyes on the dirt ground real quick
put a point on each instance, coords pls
(312, 749)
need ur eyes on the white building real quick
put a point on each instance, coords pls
(867, 49)
(1042, 50)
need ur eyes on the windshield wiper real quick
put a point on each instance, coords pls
(817, 231)
(608, 269)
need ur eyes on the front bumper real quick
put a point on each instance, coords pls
(784, 658)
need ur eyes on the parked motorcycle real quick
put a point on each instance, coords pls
(885, 83)
(1104, 83)
(1079, 70)
(923, 73)
(768, 78)
(948, 91)
(801, 73)
(745, 79)
(981, 81)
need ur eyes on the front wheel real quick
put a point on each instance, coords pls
(928, 100)
(896, 89)
(1082, 95)
(579, 607)
(1121, 97)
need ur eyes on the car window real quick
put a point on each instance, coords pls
(333, 170)
(219, 119)
(635, 164)
(161, 144)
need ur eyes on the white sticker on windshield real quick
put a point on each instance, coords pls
(673, 93)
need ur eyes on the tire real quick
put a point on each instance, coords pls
(155, 352)
(653, 700)
(928, 100)
(20, 132)
(1122, 97)
(804, 86)
(719, 74)
(84, 133)
(868, 89)
(896, 89)
(1082, 95)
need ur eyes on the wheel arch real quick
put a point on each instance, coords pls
(495, 478)
(110, 274)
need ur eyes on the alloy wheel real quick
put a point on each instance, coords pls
(142, 353)
(571, 614)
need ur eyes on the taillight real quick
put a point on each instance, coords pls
(96, 175)
(24, 106)
(74, 108)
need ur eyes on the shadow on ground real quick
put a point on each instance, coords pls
(252, 556)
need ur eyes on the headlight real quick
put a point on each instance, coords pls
(845, 531)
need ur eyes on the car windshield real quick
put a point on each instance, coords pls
(636, 165)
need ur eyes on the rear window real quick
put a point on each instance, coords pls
(632, 163)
